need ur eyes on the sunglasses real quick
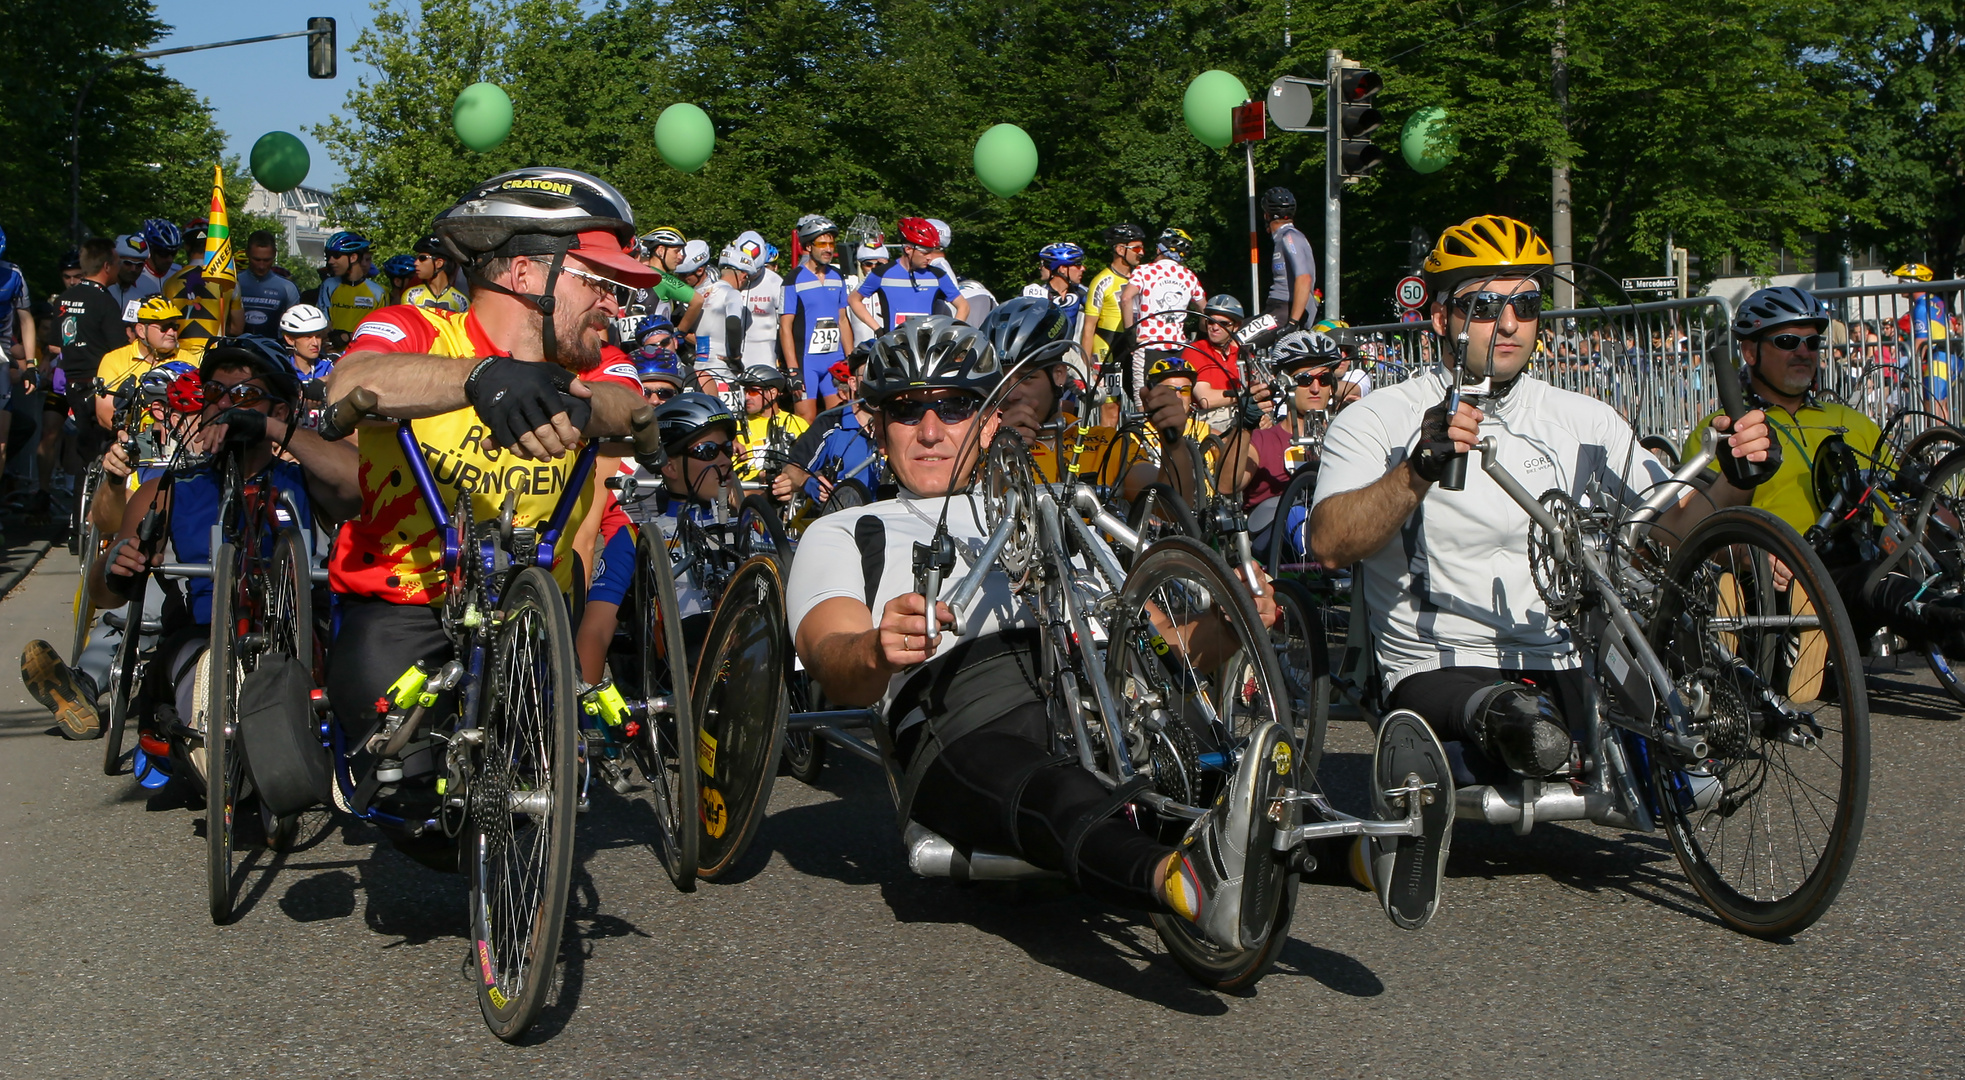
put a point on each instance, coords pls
(1316, 378)
(1791, 342)
(623, 294)
(1486, 306)
(952, 410)
(1225, 324)
(217, 393)
(660, 393)
(708, 451)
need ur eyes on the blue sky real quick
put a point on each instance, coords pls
(254, 89)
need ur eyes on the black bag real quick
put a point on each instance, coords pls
(281, 736)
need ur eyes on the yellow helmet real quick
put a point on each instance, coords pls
(157, 309)
(1486, 246)
(1913, 272)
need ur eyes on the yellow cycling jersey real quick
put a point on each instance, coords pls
(1102, 304)
(756, 437)
(347, 305)
(1102, 456)
(1790, 495)
(449, 299)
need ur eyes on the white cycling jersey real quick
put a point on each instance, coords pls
(714, 353)
(1452, 588)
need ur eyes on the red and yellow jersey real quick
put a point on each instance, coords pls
(1101, 457)
(393, 550)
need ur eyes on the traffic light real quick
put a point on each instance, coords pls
(1357, 118)
(320, 48)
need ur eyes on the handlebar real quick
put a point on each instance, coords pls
(342, 417)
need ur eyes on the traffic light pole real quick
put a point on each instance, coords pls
(1333, 181)
(75, 121)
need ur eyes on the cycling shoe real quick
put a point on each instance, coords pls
(1226, 853)
(1405, 871)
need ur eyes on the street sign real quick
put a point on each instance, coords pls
(1408, 317)
(1249, 126)
(1294, 104)
(1650, 284)
(1412, 292)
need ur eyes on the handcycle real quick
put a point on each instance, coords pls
(1723, 704)
(502, 723)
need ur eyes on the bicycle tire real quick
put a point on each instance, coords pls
(1659, 445)
(1303, 651)
(740, 706)
(223, 773)
(1289, 546)
(1942, 510)
(1932, 446)
(1158, 512)
(287, 619)
(845, 495)
(663, 748)
(761, 530)
(1138, 669)
(523, 798)
(1724, 570)
(122, 680)
(84, 608)
(804, 757)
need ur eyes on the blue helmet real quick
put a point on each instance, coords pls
(400, 266)
(652, 363)
(1061, 254)
(3, 241)
(1779, 306)
(346, 243)
(159, 233)
(651, 323)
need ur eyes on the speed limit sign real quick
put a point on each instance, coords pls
(1412, 292)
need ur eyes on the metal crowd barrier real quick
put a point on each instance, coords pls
(1890, 348)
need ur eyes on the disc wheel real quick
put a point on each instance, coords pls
(658, 678)
(1752, 632)
(224, 766)
(845, 495)
(522, 803)
(1196, 674)
(740, 706)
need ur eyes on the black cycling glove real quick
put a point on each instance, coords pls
(1248, 411)
(1745, 474)
(1435, 450)
(244, 427)
(513, 397)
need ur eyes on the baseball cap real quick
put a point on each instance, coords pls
(603, 250)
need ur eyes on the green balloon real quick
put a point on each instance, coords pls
(1006, 160)
(279, 161)
(684, 136)
(482, 116)
(1209, 107)
(1428, 140)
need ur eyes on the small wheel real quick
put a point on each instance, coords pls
(740, 705)
(845, 495)
(1932, 446)
(1662, 449)
(1303, 650)
(1289, 534)
(665, 741)
(804, 758)
(523, 797)
(1196, 676)
(1767, 826)
(224, 766)
(761, 531)
(123, 680)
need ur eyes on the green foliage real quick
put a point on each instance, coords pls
(147, 143)
(1737, 125)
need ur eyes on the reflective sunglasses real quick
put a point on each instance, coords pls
(708, 451)
(1325, 377)
(952, 410)
(623, 294)
(661, 392)
(217, 393)
(1791, 342)
(1486, 306)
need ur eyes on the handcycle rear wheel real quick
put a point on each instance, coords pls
(1304, 654)
(1213, 685)
(287, 620)
(1768, 825)
(522, 800)
(88, 544)
(224, 767)
(804, 758)
(740, 706)
(123, 680)
(665, 746)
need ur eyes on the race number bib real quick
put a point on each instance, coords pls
(1255, 328)
(825, 338)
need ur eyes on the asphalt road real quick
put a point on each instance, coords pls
(1576, 950)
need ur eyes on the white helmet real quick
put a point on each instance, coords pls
(303, 319)
(745, 254)
(695, 256)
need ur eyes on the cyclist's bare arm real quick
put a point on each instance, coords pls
(859, 306)
(128, 560)
(333, 468)
(961, 309)
(1348, 527)
(407, 386)
(852, 658)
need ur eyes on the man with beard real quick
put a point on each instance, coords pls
(496, 405)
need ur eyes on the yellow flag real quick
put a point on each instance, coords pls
(204, 289)
(218, 236)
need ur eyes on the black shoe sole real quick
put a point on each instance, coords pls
(1406, 746)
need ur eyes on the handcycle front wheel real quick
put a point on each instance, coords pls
(740, 706)
(1754, 635)
(1196, 676)
(523, 795)
(224, 766)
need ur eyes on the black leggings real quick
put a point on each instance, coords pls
(375, 643)
(1441, 698)
(966, 793)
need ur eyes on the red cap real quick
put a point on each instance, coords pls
(603, 251)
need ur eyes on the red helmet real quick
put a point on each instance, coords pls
(918, 232)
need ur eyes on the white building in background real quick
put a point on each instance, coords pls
(306, 212)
